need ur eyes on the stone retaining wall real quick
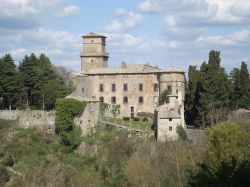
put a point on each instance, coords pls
(39, 119)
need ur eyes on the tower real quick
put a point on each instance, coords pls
(94, 53)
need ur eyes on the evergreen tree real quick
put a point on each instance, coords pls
(235, 80)
(9, 81)
(208, 92)
(241, 87)
(29, 77)
(192, 97)
(244, 91)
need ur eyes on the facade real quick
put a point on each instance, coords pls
(135, 87)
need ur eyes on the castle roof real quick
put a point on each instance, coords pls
(169, 114)
(130, 69)
(93, 35)
(167, 111)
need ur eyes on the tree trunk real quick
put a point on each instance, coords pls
(43, 103)
(10, 104)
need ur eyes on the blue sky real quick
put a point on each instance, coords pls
(175, 33)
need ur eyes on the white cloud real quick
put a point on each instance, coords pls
(170, 21)
(241, 8)
(60, 46)
(26, 14)
(125, 20)
(68, 11)
(236, 38)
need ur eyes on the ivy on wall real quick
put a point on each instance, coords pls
(66, 111)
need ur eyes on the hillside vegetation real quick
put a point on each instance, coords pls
(30, 157)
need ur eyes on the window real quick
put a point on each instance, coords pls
(101, 99)
(170, 119)
(113, 100)
(140, 87)
(101, 88)
(125, 87)
(92, 60)
(156, 87)
(170, 128)
(125, 100)
(113, 88)
(92, 41)
(170, 88)
(82, 90)
(141, 100)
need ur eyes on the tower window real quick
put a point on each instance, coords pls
(125, 87)
(113, 88)
(101, 99)
(101, 88)
(141, 100)
(125, 100)
(140, 87)
(156, 87)
(113, 100)
(170, 88)
(170, 119)
(170, 128)
(82, 90)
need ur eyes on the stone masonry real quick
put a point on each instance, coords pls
(135, 87)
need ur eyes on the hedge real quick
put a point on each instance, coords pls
(66, 111)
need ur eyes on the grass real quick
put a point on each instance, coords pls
(41, 160)
(140, 125)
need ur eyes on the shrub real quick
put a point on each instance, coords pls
(136, 119)
(4, 175)
(66, 110)
(145, 114)
(145, 119)
(164, 97)
(126, 118)
(181, 132)
(8, 161)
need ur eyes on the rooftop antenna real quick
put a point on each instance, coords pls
(171, 63)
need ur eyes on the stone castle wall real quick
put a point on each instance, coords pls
(45, 120)
(39, 119)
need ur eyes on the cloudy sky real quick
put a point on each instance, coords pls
(165, 33)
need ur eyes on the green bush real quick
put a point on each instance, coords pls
(126, 118)
(145, 119)
(181, 132)
(136, 119)
(66, 110)
(145, 114)
(4, 175)
(8, 161)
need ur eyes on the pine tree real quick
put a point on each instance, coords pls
(29, 77)
(10, 81)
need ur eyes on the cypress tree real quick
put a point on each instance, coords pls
(244, 87)
(215, 90)
(192, 97)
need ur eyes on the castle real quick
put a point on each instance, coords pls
(135, 87)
